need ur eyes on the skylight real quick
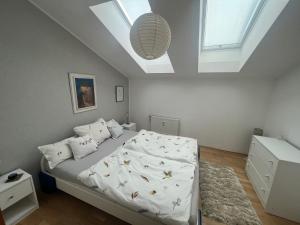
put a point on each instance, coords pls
(227, 22)
(132, 9)
(231, 30)
(118, 16)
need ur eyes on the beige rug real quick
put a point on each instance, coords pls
(223, 197)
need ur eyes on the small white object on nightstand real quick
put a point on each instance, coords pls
(129, 126)
(18, 198)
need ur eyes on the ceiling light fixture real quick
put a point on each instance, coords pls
(150, 36)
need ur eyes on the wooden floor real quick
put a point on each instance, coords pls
(63, 209)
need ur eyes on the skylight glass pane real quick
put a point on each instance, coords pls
(134, 8)
(227, 21)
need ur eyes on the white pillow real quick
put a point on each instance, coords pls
(112, 123)
(114, 128)
(98, 131)
(83, 146)
(57, 152)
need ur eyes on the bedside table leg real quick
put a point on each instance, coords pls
(1, 219)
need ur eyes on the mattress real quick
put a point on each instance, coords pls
(69, 169)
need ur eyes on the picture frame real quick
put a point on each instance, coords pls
(119, 90)
(83, 92)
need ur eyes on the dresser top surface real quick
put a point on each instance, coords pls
(280, 149)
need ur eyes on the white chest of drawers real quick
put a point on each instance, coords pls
(273, 167)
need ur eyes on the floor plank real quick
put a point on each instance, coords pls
(63, 209)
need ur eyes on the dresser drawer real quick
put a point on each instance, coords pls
(261, 189)
(263, 160)
(270, 160)
(251, 153)
(14, 194)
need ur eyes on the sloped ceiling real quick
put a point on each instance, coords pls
(278, 53)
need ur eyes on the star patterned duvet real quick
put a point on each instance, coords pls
(166, 146)
(156, 187)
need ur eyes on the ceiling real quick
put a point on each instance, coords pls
(278, 52)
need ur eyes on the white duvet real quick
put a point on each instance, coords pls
(157, 187)
(166, 146)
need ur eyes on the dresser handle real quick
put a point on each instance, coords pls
(263, 190)
(267, 176)
(11, 197)
(270, 161)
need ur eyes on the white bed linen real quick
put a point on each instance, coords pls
(166, 146)
(159, 188)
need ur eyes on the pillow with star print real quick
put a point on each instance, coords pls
(57, 152)
(83, 146)
(97, 130)
(115, 129)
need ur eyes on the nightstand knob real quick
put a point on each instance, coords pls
(11, 197)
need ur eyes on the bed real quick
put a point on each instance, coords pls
(66, 176)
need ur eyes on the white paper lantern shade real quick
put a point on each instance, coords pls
(150, 36)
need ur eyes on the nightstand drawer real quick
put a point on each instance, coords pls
(14, 194)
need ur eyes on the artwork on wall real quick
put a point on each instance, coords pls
(119, 94)
(83, 92)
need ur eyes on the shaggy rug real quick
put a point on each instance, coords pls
(223, 198)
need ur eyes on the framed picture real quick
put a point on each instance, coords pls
(83, 92)
(119, 94)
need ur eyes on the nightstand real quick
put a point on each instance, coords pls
(18, 198)
(129, 126)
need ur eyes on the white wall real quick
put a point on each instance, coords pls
(283, 119)
(220, 113)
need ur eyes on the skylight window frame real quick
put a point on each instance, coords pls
(249, 26)
(122, 9)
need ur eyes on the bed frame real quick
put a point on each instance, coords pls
(97, 200)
